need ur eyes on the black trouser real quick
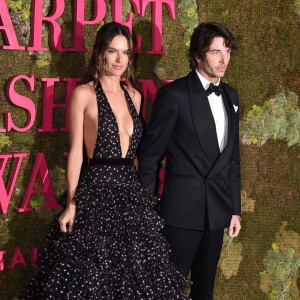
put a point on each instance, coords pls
(199, 252)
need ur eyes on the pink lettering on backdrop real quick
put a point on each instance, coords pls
(34, 254)
(161, 178)
(78, 29)
(117, 16)
(148, 88)
(6, 193)
(138, 44)
(20, 101)
(157, 6)
(41, 172)
(166, 81)
(70, 86)
(49, 105)
(2, 253)
(7, 29)
(117, 12)
(37, 20)
(17, 258)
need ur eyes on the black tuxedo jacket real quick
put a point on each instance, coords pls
(201, 186)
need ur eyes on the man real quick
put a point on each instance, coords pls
(195, 122)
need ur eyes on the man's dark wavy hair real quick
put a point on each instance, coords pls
(202, 38)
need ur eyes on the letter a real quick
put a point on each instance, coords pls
(2, 252)
(17, 258)
(40, 170)
(6, 193)
(9, 35)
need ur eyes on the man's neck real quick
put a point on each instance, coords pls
(205, 82)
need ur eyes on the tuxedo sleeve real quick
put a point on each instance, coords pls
(156, 138)
(235, 177)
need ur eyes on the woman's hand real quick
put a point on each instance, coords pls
(67, 217)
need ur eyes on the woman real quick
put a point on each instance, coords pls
(107, 244)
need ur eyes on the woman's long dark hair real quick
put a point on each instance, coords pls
(104, 37)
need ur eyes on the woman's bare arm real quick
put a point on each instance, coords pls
(77, 108)
(76, 118)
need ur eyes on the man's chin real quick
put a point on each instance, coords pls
(221, 72)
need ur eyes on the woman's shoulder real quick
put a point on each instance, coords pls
(83, 94)
(86, 89)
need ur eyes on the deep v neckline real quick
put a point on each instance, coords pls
(116, 120)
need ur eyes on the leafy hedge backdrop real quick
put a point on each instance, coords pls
(263, 262)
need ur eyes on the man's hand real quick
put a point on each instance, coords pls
(235, 227)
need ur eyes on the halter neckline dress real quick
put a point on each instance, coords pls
(116, 250)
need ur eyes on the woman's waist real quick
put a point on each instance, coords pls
(112, 174)
(102, 161)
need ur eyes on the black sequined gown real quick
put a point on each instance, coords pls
(116, 250)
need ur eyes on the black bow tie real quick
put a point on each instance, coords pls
(217, 89)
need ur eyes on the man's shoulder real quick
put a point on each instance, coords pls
(229, 88)
(231, 93)
(182, 81)
(177, 84)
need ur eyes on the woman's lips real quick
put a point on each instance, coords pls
(117, 67)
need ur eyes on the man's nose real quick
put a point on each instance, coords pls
(222, 57)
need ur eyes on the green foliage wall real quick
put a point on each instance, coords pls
(263, 262)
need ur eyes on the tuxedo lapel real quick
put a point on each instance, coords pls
(202, 118)
(231, 116)
(229, 112)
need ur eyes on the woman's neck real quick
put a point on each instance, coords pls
(110, 83)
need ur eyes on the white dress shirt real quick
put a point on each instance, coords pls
(219, 113)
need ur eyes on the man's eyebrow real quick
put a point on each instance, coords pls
(219, 49)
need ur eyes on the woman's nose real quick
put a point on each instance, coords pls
(119, 59)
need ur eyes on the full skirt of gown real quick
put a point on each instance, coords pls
(116, 250)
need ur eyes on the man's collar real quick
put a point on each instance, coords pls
(204, 81)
